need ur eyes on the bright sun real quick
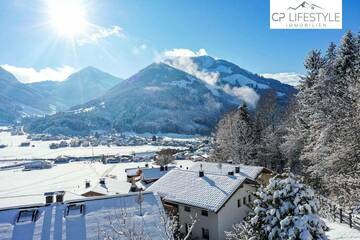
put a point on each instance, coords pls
(67, 17)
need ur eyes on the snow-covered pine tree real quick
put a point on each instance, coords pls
(284, 209)
(292, 144)
(243, 143)
(346, 144)
(234, 137)
(346, 60)
(317, 145)
(222, 140)
(298, 129)
(266, 134)
(346, 156)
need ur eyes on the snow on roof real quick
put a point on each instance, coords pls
(111, 187)
(26, 187)
(31, 199)
(149, 174)
(251, 172)
(85, 219)
(209, 192)
(132, 172)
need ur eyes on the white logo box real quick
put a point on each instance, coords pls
(309, 14)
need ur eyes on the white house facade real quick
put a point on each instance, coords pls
(216, 200)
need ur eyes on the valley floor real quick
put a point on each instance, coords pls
(18, 187)
(41, 149)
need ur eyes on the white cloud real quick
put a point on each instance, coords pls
(29, 75)
(245, 94)
(290, 78)
(138, 49)
(183, 52)
(181, 59)
(99, 33)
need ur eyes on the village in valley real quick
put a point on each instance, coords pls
(153, 184)
(195, 120)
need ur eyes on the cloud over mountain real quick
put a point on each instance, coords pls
(29, 75)
(245, 94)
(182, 59)
(183, 52)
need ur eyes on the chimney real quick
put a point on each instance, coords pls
(102, 181)
(201, 172)
(60, 196)
(237, 169)
(49, 197)
(87, 184)
(231, 173)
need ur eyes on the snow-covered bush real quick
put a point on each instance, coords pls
(285, 209)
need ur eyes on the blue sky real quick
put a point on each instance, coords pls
(130, 35)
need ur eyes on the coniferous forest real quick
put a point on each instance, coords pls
(317, 136)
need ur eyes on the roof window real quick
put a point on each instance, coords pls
(26, 216)
(75, 210)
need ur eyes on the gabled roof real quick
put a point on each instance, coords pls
(53, 222)
(251, 172)
(208, 192)
(31, 199)
(132, 172)
(111, 187)
(149, 174)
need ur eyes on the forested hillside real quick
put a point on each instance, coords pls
(318, 136)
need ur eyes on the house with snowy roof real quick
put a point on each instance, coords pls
(257, 173)
(143, 177)
(217, 197)
(150, 175)
(107, 217)
(104, 186)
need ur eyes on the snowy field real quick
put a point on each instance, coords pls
(41, 149)
(18, 187)
(340, 231)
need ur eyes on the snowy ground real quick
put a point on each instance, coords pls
(42, 150)
(341, 231)
(18, 187)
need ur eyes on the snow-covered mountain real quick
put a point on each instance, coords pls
(80, 87)
(180, 95)
(18, 99)
(229, 76)
(159, 98)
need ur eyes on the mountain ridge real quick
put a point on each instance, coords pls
(159, 98)
(80, 87)
(18, 99)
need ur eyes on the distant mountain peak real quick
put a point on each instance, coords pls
(89, 69)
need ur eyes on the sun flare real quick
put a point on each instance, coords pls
(67, 17)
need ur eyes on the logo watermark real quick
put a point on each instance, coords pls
(310, 14)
